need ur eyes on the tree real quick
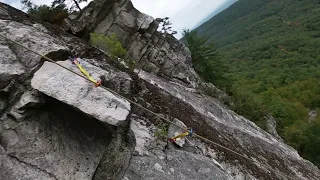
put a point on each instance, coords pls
(111, 44)
(205, 58)
(54, 14)
(28, 4)
(75, 4)
(166, 26)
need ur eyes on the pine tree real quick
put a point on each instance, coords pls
(206, 61)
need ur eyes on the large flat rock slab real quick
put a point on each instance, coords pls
(73, 90)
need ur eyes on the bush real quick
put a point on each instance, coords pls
(205, 59)
(162, 131)
(110, 44)
(54, 14)
(113, 46)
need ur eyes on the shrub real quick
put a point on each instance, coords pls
(54, 14)
(110, 44)
(162, 131)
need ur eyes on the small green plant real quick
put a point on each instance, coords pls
(162, 131)
(131, 64)
(110, 44)
(113, 46)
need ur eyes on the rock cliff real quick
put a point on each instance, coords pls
(56, 125)
(152, 51)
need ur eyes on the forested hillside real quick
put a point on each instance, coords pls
(272, 50)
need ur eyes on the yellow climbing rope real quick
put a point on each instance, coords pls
(181, 135)
(97, 83)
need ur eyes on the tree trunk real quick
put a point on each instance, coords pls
(77, 4)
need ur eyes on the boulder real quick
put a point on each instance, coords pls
(76, 91)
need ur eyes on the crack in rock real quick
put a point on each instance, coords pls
(34, 166)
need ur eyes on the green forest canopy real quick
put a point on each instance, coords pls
(272, 51)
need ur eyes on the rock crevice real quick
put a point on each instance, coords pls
(33, 166)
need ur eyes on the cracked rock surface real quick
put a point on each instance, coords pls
(55, 142)
(55, 125)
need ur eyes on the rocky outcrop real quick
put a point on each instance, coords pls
(80, 93)
(153, 51)
(272, 127)
(312, 115)
(153, 161)
(42, 137)
(210, 119)
(46, 131)
(26, 35)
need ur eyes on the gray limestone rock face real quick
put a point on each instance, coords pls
(154, 163)
(32, 38)
(10, 67)
(4, 13)
(175, 165)
(81, 132)
(211, 90)
(272, 127)
(137, 32)
(53, 142)
(76, 91)
(143, 135)
(12, 169)
(209, 118)
(30, 99)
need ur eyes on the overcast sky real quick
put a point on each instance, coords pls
(182, 13)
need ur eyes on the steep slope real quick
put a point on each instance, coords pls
(271, 48)
(56, 125)
(217, 11)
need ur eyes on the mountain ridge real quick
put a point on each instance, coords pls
(219, 10)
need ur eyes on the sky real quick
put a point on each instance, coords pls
(182, 13)
(17, 4)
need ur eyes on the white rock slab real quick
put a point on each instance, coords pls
(71, 89)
